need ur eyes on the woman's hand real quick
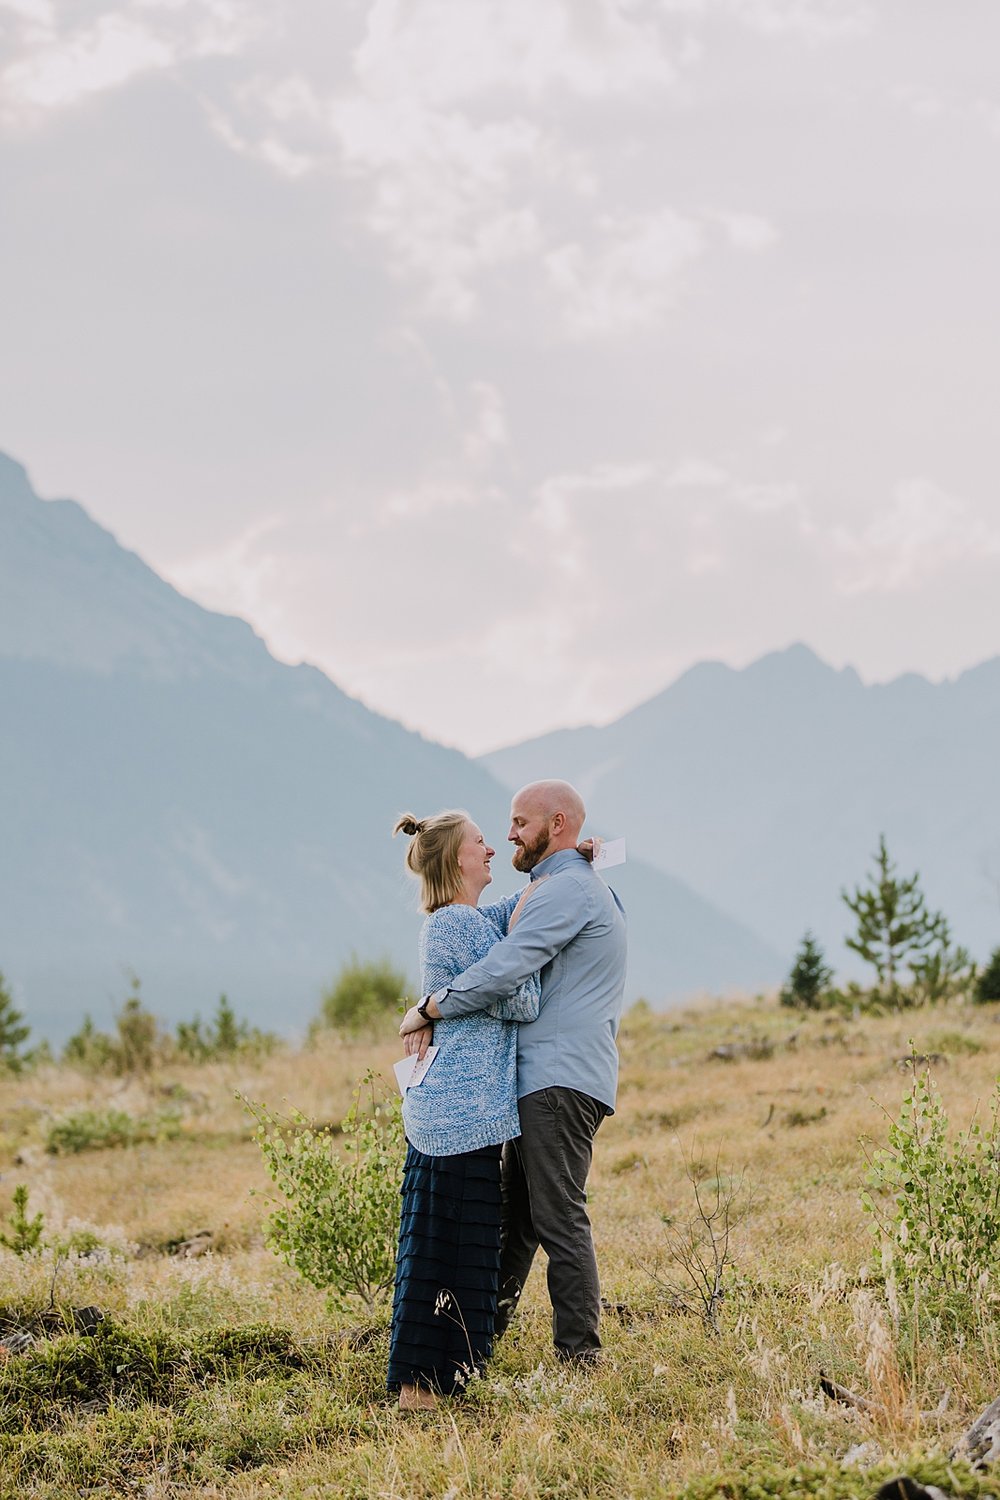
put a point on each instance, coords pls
(412, 1021)
(415, 1043)
(588, 848)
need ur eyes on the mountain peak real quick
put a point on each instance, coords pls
(72, 596)
(15, 486)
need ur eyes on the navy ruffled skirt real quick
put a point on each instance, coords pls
(447, 1270)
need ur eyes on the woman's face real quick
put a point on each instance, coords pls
(474, 855)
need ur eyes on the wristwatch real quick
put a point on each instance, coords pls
(434, 995)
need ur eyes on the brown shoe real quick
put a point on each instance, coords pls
(416, 1398)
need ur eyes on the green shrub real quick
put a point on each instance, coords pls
(942, 1223)
(100, 1130)
(137, 1045)
(338, 1224)
(987, 989)
(224, 1036)
(138, 1034)
(90, 1050)
(363, 996)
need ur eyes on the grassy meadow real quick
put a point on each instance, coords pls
(219, 1372)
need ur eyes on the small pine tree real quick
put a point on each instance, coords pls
(944, 970)
(229, 1034)
(191, 1040)
(89, 1049)
(25, 1234)
(894, 929)
(13, 1032)
(809, 980)
(987, 990)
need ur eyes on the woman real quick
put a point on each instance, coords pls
(457, 1119)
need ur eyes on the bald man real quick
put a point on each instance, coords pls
(571, 928)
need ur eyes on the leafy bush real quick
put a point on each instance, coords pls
(943, 1223)
(338, 1225)
(987, 990)
(362, 997)
(99, 1130)
(137, 1045)
(138, 1034)
(808, 984)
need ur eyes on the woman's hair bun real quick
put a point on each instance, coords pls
(409, 825)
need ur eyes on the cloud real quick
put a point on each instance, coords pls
(749, 232)
(812, 21)
(447, 132)
(629, 279)
(488, 434)
(58, 63)
(923, 532)
(447, 52)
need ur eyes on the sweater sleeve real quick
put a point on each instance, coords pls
(499, 913)
(523, 1005)
(454, 937)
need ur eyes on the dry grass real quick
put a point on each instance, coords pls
(673, 1411)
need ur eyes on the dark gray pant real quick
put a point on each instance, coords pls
(545, 1203)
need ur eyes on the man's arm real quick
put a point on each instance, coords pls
(551, 919)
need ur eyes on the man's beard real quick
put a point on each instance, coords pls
(527, 856)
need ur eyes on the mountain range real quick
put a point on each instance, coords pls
(176, 803)
(768, 788)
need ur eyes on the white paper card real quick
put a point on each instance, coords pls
(411, 1071)
(608, 852)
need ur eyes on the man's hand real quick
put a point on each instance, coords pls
(415, 1043)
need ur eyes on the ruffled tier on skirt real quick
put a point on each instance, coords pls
(447, 1269)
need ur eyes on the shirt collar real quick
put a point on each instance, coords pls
(554, 862)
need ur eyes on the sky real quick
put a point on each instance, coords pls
(504, 358)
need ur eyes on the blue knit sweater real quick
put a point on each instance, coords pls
(468, 1098)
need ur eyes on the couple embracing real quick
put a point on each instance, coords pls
(523, 1000)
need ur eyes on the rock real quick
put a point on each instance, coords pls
(902, 1487)
(980, 1446)
(86, 1320)
(16, 1341)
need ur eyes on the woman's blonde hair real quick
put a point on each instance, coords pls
(433, 854)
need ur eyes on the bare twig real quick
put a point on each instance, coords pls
(702, 1246)
(872, 1408)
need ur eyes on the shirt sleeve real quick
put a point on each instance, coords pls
(550, 920)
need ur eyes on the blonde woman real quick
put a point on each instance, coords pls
(448, 1265)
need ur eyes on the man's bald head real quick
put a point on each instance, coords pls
(545, 816)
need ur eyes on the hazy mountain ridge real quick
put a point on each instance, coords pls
(174, 800)
(769, 787)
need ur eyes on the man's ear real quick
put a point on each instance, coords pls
(557, 823)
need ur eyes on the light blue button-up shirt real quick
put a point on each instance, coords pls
(572, 929)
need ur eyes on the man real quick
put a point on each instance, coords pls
(571, 927)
